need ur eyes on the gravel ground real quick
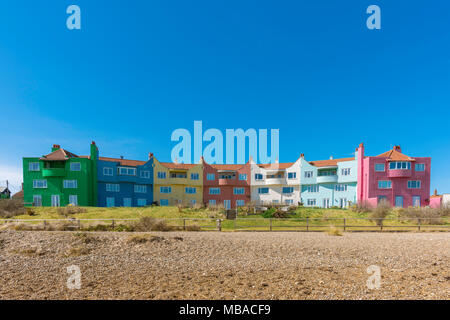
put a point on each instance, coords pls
(212, 265)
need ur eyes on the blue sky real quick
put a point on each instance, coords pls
(137, 70)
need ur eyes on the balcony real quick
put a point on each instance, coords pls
(327, 179)
(54, 172)
(398, 173)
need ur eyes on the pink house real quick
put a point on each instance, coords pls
(394, 177)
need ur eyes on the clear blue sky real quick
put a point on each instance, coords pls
(140, 69)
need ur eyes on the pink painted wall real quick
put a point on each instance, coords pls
(368, 181)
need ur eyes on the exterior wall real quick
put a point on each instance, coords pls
(327, 196)
(127, 183)
(226, 186)
(178, 193)
(399, 181)
(85, 190)
(275, 185)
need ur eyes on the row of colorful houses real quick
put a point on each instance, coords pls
(61, 178)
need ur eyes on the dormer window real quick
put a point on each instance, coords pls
(400, 165)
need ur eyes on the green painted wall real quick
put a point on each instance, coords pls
(86, 180)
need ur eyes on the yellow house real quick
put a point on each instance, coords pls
(177, 183)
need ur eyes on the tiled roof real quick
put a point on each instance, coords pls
(181, 166)
(59, 155)
(124, 162)
(329, 163)
(276, 166)
(396, 155)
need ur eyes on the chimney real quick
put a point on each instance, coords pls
(56, 147)
(397, 148)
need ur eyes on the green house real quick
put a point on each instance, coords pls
(61, 178)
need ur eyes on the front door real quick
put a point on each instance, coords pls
(55, 200)
(399, 201)
(227, 204)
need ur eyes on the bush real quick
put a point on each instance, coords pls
(11, 207)
(379, 213)
(151, 224)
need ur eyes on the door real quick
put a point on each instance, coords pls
(55, 200)
(227, 204)
(416, 201)
(399, 201)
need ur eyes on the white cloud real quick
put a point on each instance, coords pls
(13, 175)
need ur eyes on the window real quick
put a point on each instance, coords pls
(75, 166)
(190, 190)
(107, 171)
(379, 167)
(161, 175)
(125, 171)
(288, 189)
(141, 202)
(258, 176)
(243, 177)
(70, 184)
(240, 203)
(112, 187)
(164, 202)
(238, 190)
(313, 188)
(194, 176)
(145, 174)
(289, 201)
(40, 184)
(340, 187)
(73, 200)
(37, 200)
(384, 184)
(138, 188)
(263, 190)
(33, 166)
(212, 202)
(345, 171)
(210, 176)
(416, 201)
(165, 189)
(292, 175)
(420, 167)
(414, 184)
(127, 202)
(309, 174)
(311, 202)
(110, 202)
(400, 165)
(214, 190)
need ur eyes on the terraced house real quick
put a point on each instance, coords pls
(277, 183)
(125, 183)
(177, 183)
(392, 176)
(226, 184)
(328, 183)
(61, 178)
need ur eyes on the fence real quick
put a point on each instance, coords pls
(242, 224)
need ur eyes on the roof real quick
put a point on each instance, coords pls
(180, 166)
(329, 163)
(395, 155)
(59, 155)
(124, 162)
(276, 166)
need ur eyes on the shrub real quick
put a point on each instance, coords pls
(380, 212)
(151, 224)
(11, 207)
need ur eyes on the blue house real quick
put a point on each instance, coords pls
(124, 183)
